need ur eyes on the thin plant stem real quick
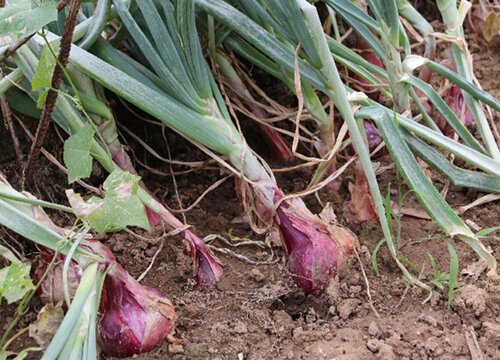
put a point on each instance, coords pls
(23, 307)
(57, 78)
(13, 338)
(9, 124)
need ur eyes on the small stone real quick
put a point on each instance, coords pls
(283, 321)
(141, 244)
(373, 345)
(256, 275)
(332, 310)
(239, 328)
(348, 307)
(432, 347)
(311, 317)
(355, 289)
(386, 352)
(176, 348)
(333, 291)
(298, 333)
(428, 319)
(373, 329)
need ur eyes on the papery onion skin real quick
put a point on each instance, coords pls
(51, 289)
(361, 206)
(208, 268)
(134, 318)
(315, 255)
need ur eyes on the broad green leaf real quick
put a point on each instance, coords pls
(77, 153)
(15, 282)
(20, 19)
(121, 207)
(43, 75)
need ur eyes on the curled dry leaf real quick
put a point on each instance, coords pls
(361, 206)
(48, 320)
(485, 21)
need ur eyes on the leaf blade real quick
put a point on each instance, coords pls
(77, 155)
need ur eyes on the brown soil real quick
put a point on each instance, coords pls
(258, 313)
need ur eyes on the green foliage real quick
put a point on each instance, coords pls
(20, 356)
(42, 80)
(441, 278)
(18, 18)
(121, 207)
(454, 266)
(374, 256)
(15, 282)
(485, 233)
(44, 70)
(77, 155)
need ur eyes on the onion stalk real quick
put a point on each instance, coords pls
(111, 155)
(127, 319)
(452, 18)
(272, 47)
(202, 117)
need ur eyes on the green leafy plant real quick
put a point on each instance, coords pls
(19, 18)
(446, 279)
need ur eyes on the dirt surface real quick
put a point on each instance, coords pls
(257, 312)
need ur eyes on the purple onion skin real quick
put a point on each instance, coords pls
(374, 139)
(209, 270)
(134, 318)
(455, 100)
(278, 147)
(361, 206)
(51, 289)
(314, 253)
(367, 53)
(372, 135)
